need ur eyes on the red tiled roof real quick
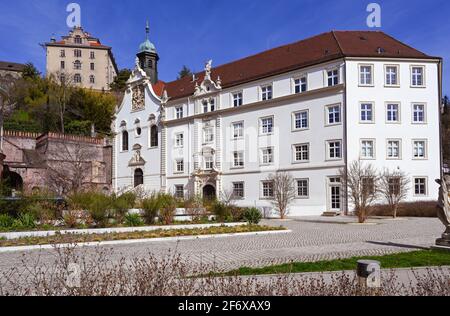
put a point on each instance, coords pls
(159, 88)
(318, 49)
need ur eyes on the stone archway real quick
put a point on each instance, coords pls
(209, 192)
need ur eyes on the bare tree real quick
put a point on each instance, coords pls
(228, 197)
(361, 181)
(61, 90)
(70, 167)
(283, 192)
(394, 186)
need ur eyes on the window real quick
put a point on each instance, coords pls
(301, 153)
(266, 93)
(334, 150)
(77, 65)
(154, 136)
(368, 186)
(267, 125)
(391, 75)
(92, 66)
(125, 146)
(367, 113)
(205, 106)
(394, 186)
(63, 64)
(267, 190)
(419, 113)
(238, 159)
(417, 76)
(62, 78)
(301, 120)
(238, 190)
(420, 149)
(267, 156)
(238, 130)
(77, 53)
(366, 75)
(393, 113)
(179, 168)
(92, 79)
(179, 113)
(333, 77)
(179, 140)
(138, 131)
(209, 105)
(77, 78)
(62, 53)
(179, 191)
(420, 186)
(300, 85)
(367, 149)
(334, 114)
(393, 149)
(208, 135)
(78, 39)
(238, 99)
(212, 104)
(92, 55)
(303, 188)
(138, 177)
(209, 163)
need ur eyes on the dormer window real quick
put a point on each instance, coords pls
(78, 39)
(209, 105)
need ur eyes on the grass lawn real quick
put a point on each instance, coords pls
(76, 238)
(423, 258)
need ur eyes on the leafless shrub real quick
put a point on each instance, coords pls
(362, 183)
(172, 275)
(394, 187)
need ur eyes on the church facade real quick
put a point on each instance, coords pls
(309, 108)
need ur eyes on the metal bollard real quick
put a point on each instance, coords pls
(369, 274)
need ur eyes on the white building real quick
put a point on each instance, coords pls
(309, 108)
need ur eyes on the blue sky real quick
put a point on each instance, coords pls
(190, 32)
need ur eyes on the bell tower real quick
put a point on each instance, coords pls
(148, 57)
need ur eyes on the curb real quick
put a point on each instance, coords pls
(139, 241)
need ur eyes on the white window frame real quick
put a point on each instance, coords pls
(208, 131)
(328, 149)
(300, 84)
(179, 140)
(423, 67)
(209, 162)
(333, 77)
(238, 160)
(179, 163)
(239, 196)
(364, 84)
(327, 114)
(261, 126)
(263, 190)
(266, 95)
(297, 195)
(372, 104)
(239, 97)
(295, 152)
(426, 186)
(425, 142)
(390, 85)
(294, 121)
(392, 140)
(264, 154)
(179, 112)
(399, 112)
(374, 149)
(234, 129)
(425, 116)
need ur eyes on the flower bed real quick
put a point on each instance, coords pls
(160, 233)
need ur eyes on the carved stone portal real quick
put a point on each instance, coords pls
(444, 212)
(138, 101)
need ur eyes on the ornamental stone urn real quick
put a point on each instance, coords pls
(444, 212)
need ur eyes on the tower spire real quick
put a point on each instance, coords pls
(147, 30)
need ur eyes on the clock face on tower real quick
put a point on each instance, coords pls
(138, 99)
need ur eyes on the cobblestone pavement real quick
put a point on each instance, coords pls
(312, 239)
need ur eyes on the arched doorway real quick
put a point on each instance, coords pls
(12, 181)
(138, 177)
(209, 192)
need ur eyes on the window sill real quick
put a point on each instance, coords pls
(366, 85)
(367, 122)
(417, 87)
(237, 168)
(301, 162)
(334, 124)
(297, 130)
(391, 86)
(302, 197)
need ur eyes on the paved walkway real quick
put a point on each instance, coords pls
(312, 239)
